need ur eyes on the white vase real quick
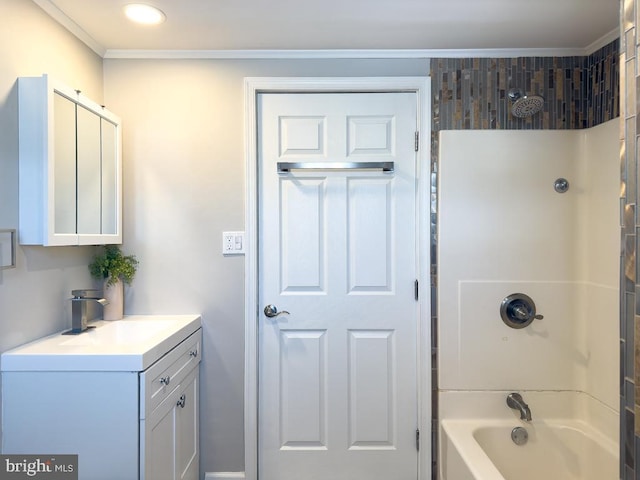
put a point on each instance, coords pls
(114, 294)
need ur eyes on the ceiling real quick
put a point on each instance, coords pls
(205, 25)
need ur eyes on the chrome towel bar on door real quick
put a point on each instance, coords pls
(286, 167)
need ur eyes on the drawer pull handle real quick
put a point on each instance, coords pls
(165, 380)
(183, 399)
(193, 353)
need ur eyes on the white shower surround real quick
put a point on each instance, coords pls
(504, 229)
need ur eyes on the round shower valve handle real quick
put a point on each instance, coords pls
(518, 310)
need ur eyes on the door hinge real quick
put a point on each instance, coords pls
(417, 141)
(417, 439)
(416, 290)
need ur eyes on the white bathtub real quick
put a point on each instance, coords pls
(574, 440)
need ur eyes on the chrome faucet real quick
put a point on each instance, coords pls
(79, 308)
(515, 401)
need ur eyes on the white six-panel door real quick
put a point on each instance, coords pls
(337, 251)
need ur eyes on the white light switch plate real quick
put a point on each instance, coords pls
(233, 243)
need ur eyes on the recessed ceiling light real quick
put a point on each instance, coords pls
(146, 14)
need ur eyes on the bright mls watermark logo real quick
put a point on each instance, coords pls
(45, 467)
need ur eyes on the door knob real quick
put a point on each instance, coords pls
(272, 311)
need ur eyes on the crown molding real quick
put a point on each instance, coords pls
(362, 54)
(606, 39)
(342, 54)
(58, 15)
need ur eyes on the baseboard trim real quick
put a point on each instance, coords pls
(224, 475)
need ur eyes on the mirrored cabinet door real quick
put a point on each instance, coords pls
(110, 201)
(70, 167)
(89, 178)
(64, 159)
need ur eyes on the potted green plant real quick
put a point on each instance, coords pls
(114, 269)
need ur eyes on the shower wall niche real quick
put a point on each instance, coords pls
(503, 229)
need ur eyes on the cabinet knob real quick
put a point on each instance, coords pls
(193, 353)
(165, 380)
(181, 402)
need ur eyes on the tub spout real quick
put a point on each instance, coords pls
(515, 401)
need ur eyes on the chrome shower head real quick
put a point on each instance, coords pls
(523, 105)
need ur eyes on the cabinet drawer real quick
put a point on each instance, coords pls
(160, 379)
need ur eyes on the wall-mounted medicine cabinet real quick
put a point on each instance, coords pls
(70, 167)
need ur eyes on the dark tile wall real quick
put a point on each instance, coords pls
(601, 86)
(630, 233)
(579, 92)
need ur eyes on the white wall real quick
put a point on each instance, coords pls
(184, 183)
(34, 296)
(503, 229)
(599, 148)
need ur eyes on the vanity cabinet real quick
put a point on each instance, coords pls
(169, 416)
(121, 424)
(171, 435)
(70, 167)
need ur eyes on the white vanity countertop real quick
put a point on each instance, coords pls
(132, 344)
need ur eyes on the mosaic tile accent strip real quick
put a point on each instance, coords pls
(602, 86)
(472, 93)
